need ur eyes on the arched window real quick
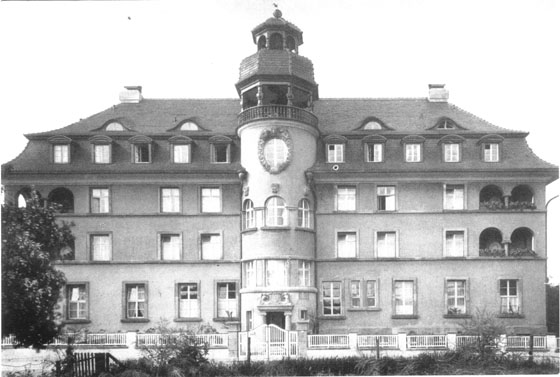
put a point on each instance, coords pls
(276, 214)
(262, 42)
(522, 197)
(276, 42)
(490, 242)
(491, 197)
(291, 43)
(64, 198)
(114, 126)
(522, 241)
(24, 195)
(189, 126)
(304, 214)
(248, 214)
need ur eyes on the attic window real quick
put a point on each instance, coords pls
(114, 126)
(189, 126)
(446, 124)
(372, 125)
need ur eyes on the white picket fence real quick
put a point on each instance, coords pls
(371, 341)
(466, 340)
(523, 342)
(426, 341)
(213, 340)
(102, 339)
(328, 341)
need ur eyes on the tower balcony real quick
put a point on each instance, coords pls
(277, 112)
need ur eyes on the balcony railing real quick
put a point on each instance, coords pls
(501, 253)
(494, 205)
(277, 112)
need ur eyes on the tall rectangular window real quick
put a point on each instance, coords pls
(456, 292)
(509, 297)
(102, 153)
(304, 273)
(170, 200)
(170, 246)
(452, 152)
(210, 199)
(99, 200)
(227, 300)
(181, 153)
(346, 198)
(332, 298)
(335, 153)
(276, 273)
(136, 301)
(413, 152)
(189, 306)
(76, 301)
(61, 153)
(454, 243)
(404, 297)
(491, 152)
(346, 244)
(100, 247)
(371, 293)
(142, 153)
(355, 294)
(386, 198)
(386, 244)
(454, 197)
(250, 274)
(211, 246)
(220, 153)
(374, 152)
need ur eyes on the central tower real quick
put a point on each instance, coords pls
(278, 133)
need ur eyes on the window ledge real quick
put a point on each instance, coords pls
(76, 321)
(275, 228)
(345, 211)
(310, 230)
(458, 316)
(332, 317)
(249, 230)
(507, 315)
(192, 319)
(404, 316)
(364, 309)
(135, 320)
(225, 319)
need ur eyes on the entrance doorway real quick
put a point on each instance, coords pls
(276, 318)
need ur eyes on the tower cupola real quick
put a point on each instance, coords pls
(277, 34)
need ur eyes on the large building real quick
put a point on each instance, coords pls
(372, 216)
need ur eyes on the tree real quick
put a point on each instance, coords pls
(31, 286)
(487, 328)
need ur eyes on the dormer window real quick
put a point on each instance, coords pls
(220, 149)
(180, 149)
(141, 148)
(60, 149)
(114, 126)
(452, 152)
(335, 145)
(101, 151)
(189, 126)
(446, 124)
(491, 148)
(372, 125)
(413, 148)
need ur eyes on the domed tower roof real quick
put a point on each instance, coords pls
(280, 24)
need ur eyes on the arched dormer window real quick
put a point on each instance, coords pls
(374, 148)
(335, 146)
(63, 197)
(491, 148)
(60, 149)
(141, 149)
(413, 148)
(304, 214)
(372, 124)
(114, 126)
(189, 125)
(180, 149)
(248, 214)
(276, 42)
(276, 213)
(220, 149)
(101, 149)
(445, 123)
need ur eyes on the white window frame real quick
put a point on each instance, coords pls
(276, 212)
(176, 241)
(214, 153)
(330, 285)
(103, 196)
(251, 273)
(80, 302)
(97, 254)
(210, 199)
(136, 153)
(188, 307)
(102, 153)
(455, 296)
(345, 250)
(507, 299)
(304, 273)
(211, 246)
(248, 214)
(140, 304)
(227, 303)
(413, 152)
(491, 152)
(389, 195)
(380, 248)
(457, 202)
(304, 214)
(61, 153)
(272, 277)
(275, 152)
(344, 199)
(181, 156)
(407, 308)
(374, 296)
(170, 200)
(355, 294)
(454, 251)
(374, 152)
(335, 153)
(452, 152)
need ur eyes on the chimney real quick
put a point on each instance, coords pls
(437, 93)
(131, 94)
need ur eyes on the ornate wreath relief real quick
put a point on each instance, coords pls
(275, 133)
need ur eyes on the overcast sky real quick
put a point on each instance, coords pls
(62, 61)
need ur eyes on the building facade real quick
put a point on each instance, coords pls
(372, 216)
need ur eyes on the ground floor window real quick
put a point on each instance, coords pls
(189, 306)
(332, 298)
(404, 297)
(227, 300)
(136, 301)
(76, 301)
(509, 297)
(456, 297)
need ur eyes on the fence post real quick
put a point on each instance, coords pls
(452, 341)
(401, 341)
(353, 342)
(131, 338)
(502, 344)
(233, 339)
(551, 342)
(302, 343)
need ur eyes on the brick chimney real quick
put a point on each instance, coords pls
(437, 93)
(131, 94)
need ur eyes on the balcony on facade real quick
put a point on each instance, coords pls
(284, 112)
(493, 199)
(520, 243)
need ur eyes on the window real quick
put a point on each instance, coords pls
(275, 152)
(100, 247)
(346, 198)
(211, 246)
(181, 153)
(304, 273)
(371, 293)
(355, 294)
(99, 200)
(404, 297)
(248, 320)
(456, 297)
(76, 302)
(413, 152)
(303, 316)
(102, 153)
(335, 153)
(170, 200)
(386, 244)
(491, 152)
(250, 274)
(276, 213)
(189, 126)
(454, 243)
(346, 244)
(189, 306)
(332, 298)
(142, 153)
(220, 153)
(136, 301)
(386, 198)
(61, 153)
(227, 300)
(211, 200)
(509, 297)
(451, 152)
(304, 214)
(454, 197)
(276, 273)
(248, 214)
(170, 246)
(114, 126)
(372, 125)
(374, 152)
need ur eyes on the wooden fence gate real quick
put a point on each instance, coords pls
(85, 364)
(268, 342)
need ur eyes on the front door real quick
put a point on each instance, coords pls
(276, 318)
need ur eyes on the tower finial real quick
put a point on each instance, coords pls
(277, 13)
